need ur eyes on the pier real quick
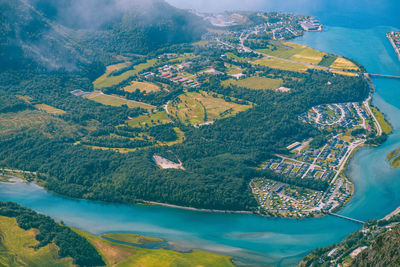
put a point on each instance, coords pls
(384, 76)
(346, 218)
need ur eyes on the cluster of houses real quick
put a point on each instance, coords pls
(176, 74)
(283, 200)
(394, 38)
(346, 115)
(311, 24)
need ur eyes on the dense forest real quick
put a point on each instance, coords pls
(70, 243)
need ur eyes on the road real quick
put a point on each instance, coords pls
(313, 165)
(377, 125)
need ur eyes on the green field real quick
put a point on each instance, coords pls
(255, 83)
(122, 255)
(199, 107)
(142, 86)
(385, 125)
(327, 60)
(116, 101)
(281, 64)
(154, 119)
(16, 247)
(107, 80)
(296, 52)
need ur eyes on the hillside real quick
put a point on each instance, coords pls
(66, 34)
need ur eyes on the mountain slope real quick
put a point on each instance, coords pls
(60, 34)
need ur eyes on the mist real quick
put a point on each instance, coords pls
(354, 13)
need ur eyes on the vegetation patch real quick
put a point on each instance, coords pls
(386, 127)
(257, 83)
(131, 238)
(327, 60)
(50, 109)
(116, 101)
(160, 117)
(142, 86)
(200, 107)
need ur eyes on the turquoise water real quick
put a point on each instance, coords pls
(247, 237)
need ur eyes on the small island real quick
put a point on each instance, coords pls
(394, 158)
(394, 38)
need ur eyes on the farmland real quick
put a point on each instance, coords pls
(276, 63)
(296, 52)
(197, 108)
(343, 64)
(116, 101)
(108, 80)
(142, 86)
(255, 82)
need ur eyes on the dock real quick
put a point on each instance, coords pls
(346, 218)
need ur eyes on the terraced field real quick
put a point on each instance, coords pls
(257, 83)
(200, 107)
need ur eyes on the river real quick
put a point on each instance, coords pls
(252, 238)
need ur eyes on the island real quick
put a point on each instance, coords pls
(235, 118)
(393, 158)
(394, 38)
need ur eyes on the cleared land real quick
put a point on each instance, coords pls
(154, 119)
(344, 64)
(50, 109)
(34, 119)
(386, 127)
(17, 247)
(108, 80)
(199, 107)
(257, 83)
(116, 101)
(142, 86)
(121, 255)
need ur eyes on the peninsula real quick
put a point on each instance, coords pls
(394, 38)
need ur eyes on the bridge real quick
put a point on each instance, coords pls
(384, 76)
(346, 218)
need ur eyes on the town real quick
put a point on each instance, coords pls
(348, 125)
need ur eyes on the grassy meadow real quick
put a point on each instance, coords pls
(257, 83)
(116, 101)
(142, 86)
